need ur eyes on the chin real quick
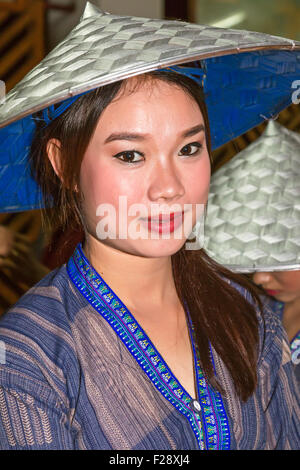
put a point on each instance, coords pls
(156, 248)
(285, 297)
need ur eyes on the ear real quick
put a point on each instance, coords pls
(54, 155)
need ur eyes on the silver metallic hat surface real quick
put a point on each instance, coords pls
(253, 214)
(246, 77)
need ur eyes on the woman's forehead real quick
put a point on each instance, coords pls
(164, 110)
(145, 96)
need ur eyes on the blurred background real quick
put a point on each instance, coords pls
(29, 29)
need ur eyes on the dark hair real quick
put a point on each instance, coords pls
(221, 315)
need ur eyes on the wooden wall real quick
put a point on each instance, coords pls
(21, 40)
(22, 46)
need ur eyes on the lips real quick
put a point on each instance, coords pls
(165, 223)
(273, 292)
(163, 218)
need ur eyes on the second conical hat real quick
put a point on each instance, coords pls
(253, 215)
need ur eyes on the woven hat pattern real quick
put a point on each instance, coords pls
(102, 45)
(253, 216)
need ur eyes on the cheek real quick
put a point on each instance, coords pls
(94, 183)
(104, 184)
(290, 280)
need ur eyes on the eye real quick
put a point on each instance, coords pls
(191, 149)
(128, 156)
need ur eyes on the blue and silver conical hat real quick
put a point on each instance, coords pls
(247, 77)
(253, 214)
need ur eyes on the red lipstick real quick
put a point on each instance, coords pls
(273, 292)
(165, 223)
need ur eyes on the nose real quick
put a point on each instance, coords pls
(261, 278)
(166, 183)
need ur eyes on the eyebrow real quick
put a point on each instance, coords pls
(139, 137)
(193, 131)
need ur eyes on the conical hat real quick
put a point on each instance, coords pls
(253, 214)
(247, 77)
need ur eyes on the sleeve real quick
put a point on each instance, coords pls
(38, 375)
(279, 388)
(32, 421)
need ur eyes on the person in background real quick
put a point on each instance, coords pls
(258, 191)
(283, 290)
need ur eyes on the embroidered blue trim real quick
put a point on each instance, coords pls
(210, 426)
(221, 415)
(217, 427)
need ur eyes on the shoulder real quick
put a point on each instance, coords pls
(46, 303)
(37, 345)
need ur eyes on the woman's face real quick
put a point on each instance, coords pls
(148, 147)
(284, 286)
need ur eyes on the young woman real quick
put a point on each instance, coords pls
(283, 289)
(138, 342)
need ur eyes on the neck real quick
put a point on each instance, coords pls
(133, 278)
(293, 304)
